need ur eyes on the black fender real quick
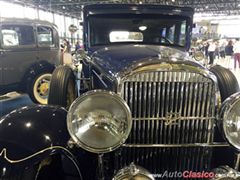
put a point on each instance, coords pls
(30, 134)
(34, 70)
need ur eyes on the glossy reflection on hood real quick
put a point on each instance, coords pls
(114, 59)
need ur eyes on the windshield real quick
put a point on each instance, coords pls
(144, 29)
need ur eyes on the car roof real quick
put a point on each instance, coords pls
(26, 21)
(95, 9)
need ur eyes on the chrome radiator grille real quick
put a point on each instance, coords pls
(171, 111)
(170, 107)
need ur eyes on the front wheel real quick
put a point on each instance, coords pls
(39, 88)
(227, 81)
(62, 87)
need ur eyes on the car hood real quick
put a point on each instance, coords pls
(117, 58)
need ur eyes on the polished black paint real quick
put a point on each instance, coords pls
(28, 130)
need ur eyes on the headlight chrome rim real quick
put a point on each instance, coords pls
(226, 107)
(132, 171)
(83, 97)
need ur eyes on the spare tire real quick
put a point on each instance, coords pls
(227, 81)
(62, 90)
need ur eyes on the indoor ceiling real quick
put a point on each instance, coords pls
(73, 7)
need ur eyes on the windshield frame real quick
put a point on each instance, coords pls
(187, 19)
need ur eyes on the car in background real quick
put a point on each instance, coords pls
(29, 52)
(148, 109)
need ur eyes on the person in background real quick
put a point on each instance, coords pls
(206, 49)
(77, 46)
(67, 46)
(222, 50)
(67, 56)
(229, 53)
(236, 50)
(211, 51)
(217, 55)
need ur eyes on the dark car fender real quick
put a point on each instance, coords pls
(31, 134)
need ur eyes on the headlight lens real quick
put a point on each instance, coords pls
(133, 172)
(230, 114)
(99, 121)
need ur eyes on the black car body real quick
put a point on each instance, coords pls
(149, 109)
(29, 49)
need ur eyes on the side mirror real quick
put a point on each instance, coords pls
(198, 55)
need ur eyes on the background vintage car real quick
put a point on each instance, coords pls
(146, 103)
(29, 51)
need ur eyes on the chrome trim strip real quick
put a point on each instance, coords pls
(100, 78)
(156, 64)
(174, 118)
(4, 154)
(175, 145)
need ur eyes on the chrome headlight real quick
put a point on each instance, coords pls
(99, 121)
(225, 173)
(133, 172)
(230, 119)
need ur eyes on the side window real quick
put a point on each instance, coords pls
(17, 35)
(171, 33)
(45, 36)
(182, 35)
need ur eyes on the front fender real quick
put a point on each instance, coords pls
(30, 134)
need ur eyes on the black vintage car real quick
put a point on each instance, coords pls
(29, 51)
(148, 111)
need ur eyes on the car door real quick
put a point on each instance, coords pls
(18, 51)
(48, 44)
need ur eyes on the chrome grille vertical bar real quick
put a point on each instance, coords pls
(203, 109)
(162, 105)
(149, 90)
(194, 113)
(209, 122)
(174, 109)
(164, 97)
(185, 105)
(180, 95)
(140, 105)
(189, 123)
(158, 107)
(198, 108)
